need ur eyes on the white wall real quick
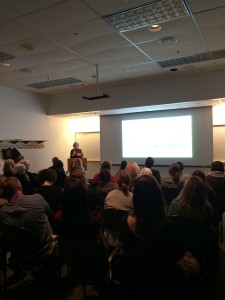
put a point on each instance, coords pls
(23, 116)
(203, 86)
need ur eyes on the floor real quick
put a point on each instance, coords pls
(23, 288)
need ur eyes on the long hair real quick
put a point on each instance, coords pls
(123, 180)
(149, 206)
(193, 198)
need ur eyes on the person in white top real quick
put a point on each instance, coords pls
(120, 198)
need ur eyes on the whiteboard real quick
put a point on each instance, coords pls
(219, 143)
(89, 142)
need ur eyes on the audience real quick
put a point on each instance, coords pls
(134, 170)
(61, 174)
(77, 164)
(28, 211)
(192, 201)
(146, 234)
(216, 179)
(173, 179)
(20, 173)
(105, 185)
(107, 164)
(121, 197)
(32, 176)
(183, 176)
(52, 194)
(123, 165)
(149, 162)
(8, 168)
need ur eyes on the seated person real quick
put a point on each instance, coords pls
(29, 211)
(76, 151)
(173, 179)
(149, 162)
(105, 185)
(107, 164)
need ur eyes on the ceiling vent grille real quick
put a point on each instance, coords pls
(53, 83)
(146, 15)
(185, 60)
(5, 56)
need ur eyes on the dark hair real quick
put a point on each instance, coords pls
(149, 162)
(217, 166)
(58, 163)
(46, 175)
(123, 164)
(200, 174)
(174, 171)
(105, 175)
(75, 179)
(181, 165)
(106, 165)
(149, 206)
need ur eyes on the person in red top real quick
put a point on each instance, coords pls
(76, 151)
(105, 165)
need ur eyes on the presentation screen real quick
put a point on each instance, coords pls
(163, 141)
(168, 136)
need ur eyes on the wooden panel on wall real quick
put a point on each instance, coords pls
(90, 144)
(219, 143)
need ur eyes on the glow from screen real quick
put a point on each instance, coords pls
(162, 137)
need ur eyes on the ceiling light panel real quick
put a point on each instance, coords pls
(147, 15)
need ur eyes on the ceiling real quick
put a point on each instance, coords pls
(54, 46)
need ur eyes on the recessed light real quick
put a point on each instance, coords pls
(155, 28)
(173, 70)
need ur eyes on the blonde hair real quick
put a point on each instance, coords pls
(133, 169)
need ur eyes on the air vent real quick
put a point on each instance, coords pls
(185, 60)
(53, 83)
(6, 56)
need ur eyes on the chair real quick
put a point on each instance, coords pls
(111, 221)
(25, 254)
(86, 259)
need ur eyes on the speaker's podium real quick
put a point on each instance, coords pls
(70, 161)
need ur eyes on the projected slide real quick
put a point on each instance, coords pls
(162, 137)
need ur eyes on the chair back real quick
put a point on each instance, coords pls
(87, 256)
(111, 218)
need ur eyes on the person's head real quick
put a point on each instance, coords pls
(12, 186)
(58, 164)
(149, 162)
(75, 145)
(123, 164)
(217, 166)
(181, 165)
(105, 175)
(200, 174)
(133, 169)
(9, 165)
(145, 171)
(107, 164)
(77, 164)
(54, 159)
(193, 197)
(174, 171)
(25, 162)
(123, 181)
(76, 179)
(20, 169)
(49, 175)
(149, 205)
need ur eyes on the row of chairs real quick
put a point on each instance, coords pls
(87, 260)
